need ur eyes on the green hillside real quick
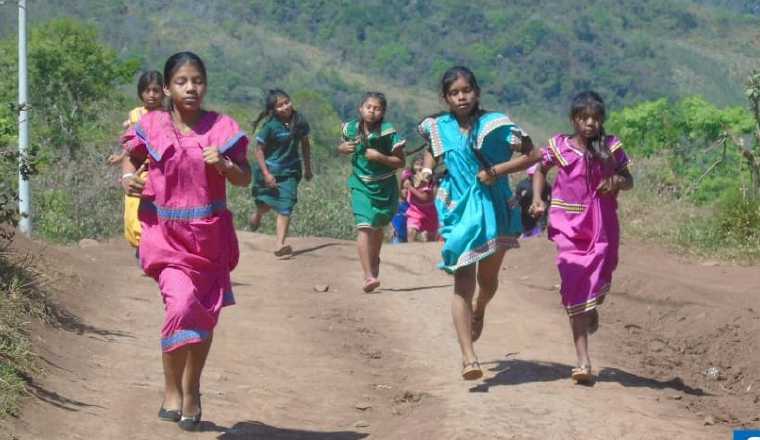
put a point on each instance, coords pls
(530, 55)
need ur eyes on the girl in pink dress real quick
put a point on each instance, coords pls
(421, 215)
(583, 224)
(188, 238)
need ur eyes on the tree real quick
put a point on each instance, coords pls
(70, 72)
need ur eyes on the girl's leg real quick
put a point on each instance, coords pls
(255, 220)
(191, 379)
(174, 366)
(363, 244)
(377, 244)
(283, 224)
(461, 310)
(579, 326)
(488, 282)
(411, 235)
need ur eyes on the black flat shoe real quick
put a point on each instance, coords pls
(190, 423)
(169, 415)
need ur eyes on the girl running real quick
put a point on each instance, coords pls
(421, 215)
(477, 223)
(189, 245)
(377, 152)
(592, 169)
(150, 91)
(279, 172)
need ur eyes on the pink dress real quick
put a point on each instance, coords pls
(188, 240)
(421, 215)
(583, 224)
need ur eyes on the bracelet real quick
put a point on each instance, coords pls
(125, 175)
(491, 171)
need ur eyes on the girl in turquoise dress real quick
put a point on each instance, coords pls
(376, 153)
(478, 221)
(280, 165)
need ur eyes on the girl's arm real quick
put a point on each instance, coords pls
(529, 156)
(306, 154)
(261, 159)
(623, 180)
(239, 174)
(395, 160)
(424, 196)
(538, 206)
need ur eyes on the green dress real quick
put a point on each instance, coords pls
(373, 185)
(284, 163)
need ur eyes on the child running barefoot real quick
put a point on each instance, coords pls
(279, 172)
(377, 152)
(189, 245)
(477, 223)
(583, 222)
(421, 215)
(150, 91)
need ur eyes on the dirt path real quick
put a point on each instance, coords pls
(292, 363)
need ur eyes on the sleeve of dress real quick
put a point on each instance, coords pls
(236, 145)
(621, 158)
(262, 136)
(306, 129)
(547, 158)
(344, 132)
(515, 135)
(134, 144)
(397, 141)
(427, 129)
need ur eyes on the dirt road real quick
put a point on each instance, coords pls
(292, 363)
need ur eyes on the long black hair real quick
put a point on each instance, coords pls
(590, 102)
(178, 60)
(148, 78)
(298, 122)
(383, 103)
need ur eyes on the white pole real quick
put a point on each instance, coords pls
(25, 224)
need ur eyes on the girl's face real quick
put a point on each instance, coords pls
(588, 124)
(151, 96)
(186, 88)
(417, 166)
(283, 108)
(461, 97)
(371, 111)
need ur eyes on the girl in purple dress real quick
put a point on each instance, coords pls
(591, 169)
(188, 239)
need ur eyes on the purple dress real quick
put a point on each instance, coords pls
(583, 224)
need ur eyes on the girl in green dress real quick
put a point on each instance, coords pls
(279, 172)
(377, 152)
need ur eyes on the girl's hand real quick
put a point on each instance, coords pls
(347, 147)
(610, 185)
(270, 181)
(374, 155)
(407, 183)
(132, 184)
(487, 176)
(537, 208)
(307, 174)
(212, 157)
(116, 159)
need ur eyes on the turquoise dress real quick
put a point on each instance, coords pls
(475, 219)
(284, 163)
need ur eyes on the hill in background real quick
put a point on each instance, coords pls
(530, 56)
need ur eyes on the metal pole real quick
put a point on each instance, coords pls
(24, 192)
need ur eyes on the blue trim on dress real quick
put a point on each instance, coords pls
(144, 138)
(228, 298)
(231, 143)
(194, 213)
(182, 337)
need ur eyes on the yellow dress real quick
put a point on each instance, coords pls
(132, 228)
